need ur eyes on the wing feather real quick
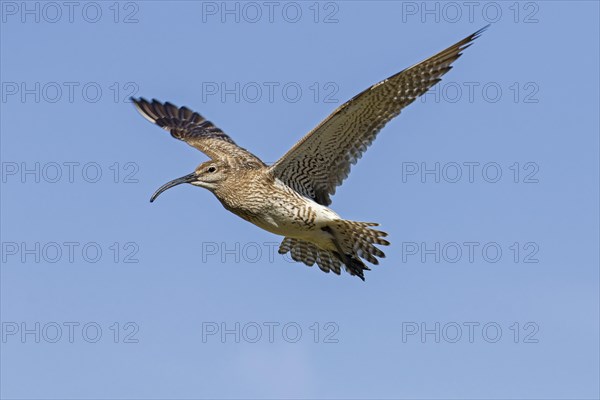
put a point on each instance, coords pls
(321, 160)
(195, 130)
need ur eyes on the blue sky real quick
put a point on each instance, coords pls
(488, 187)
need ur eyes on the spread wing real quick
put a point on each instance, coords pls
(195, 130)
(321, 160)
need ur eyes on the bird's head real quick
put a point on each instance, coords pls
(209, 175)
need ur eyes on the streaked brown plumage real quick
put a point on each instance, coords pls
(290, 198)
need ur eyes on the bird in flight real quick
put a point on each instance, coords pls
(291, 197)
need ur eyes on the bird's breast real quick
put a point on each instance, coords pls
(279, 209)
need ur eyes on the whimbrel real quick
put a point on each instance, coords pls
(291, 197)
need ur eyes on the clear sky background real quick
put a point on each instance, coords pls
(517, 317)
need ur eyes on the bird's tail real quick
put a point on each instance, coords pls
(356, 241)
(353, 242)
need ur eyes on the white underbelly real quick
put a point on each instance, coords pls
(304, 222)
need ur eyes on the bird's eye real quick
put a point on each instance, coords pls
(211, 169)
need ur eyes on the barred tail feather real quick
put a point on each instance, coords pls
(360, 238)
(353, 241)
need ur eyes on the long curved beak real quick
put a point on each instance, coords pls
(184, 179)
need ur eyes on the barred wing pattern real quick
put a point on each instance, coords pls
(195, 130)
(321, 160)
